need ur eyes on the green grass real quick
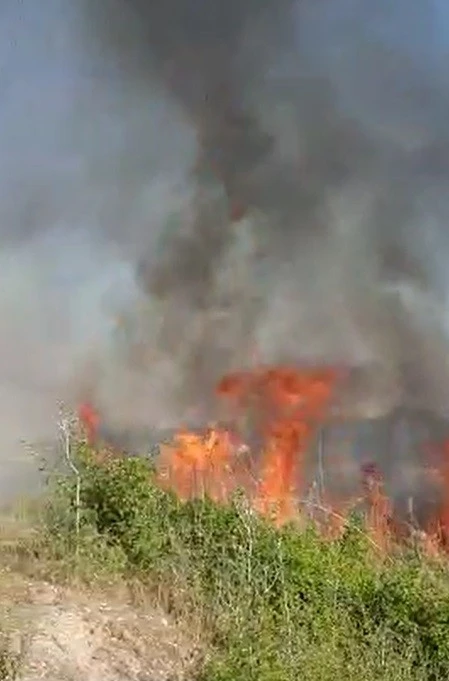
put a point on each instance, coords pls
(273, 605)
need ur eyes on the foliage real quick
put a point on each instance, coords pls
(275, 605)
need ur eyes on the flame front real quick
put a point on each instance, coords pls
(284, 407)
(287, 405)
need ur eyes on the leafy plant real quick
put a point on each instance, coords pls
(273, 604)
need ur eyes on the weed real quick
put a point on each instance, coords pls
(274, 604)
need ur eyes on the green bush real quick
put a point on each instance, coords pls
(275, 604)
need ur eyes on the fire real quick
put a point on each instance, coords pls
(90, 420)
(287, 405)
(199, 465)
(274, 416)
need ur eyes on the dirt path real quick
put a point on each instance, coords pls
(59, 634)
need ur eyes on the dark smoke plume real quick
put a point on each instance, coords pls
(132, 132)
(333, 198)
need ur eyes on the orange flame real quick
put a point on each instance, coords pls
(284, 407)
(197, 465)
(288, 404)
(89, 419)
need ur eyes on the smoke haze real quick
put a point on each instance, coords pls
(126, 130)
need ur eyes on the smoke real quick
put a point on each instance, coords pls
(128, 132)
(73, 175)
(328, 122)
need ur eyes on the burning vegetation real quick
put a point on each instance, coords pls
(274, 417)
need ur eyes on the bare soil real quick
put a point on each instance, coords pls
(59, 633)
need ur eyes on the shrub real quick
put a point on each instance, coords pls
(275, 604)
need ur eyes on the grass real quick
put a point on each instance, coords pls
(271, 605)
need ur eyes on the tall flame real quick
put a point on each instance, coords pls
(284, 407)
(287, 405)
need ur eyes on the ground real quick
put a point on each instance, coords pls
(88, 589)
(65, 634)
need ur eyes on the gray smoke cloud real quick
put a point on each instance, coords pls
(127, 131)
